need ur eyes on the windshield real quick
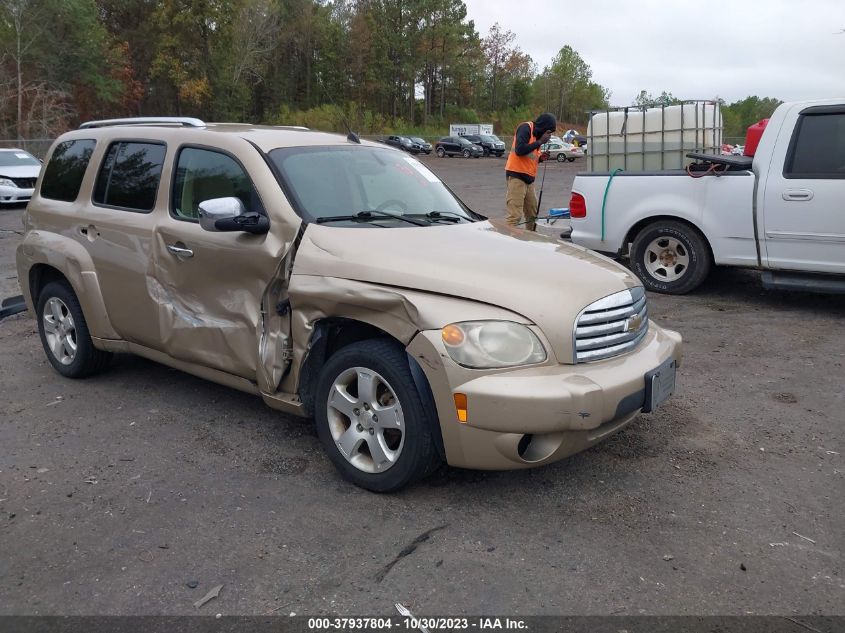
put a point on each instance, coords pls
(464, 141)
(333, 181)
(18, 159)
(489, 139)
(417, 139)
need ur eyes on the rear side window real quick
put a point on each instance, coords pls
(817, 149)
(203, 174)
(129, 176)
(63, 175)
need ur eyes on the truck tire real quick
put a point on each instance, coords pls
(670, 257)
(64, 333)
(375, 425)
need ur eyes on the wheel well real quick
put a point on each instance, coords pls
(333, 334)
(39, 276)
(329, 336)
(639, 226)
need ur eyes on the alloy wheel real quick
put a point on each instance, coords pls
(366, 420)
(59, 330)
(666, 259)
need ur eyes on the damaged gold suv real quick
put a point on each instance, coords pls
(337, 279)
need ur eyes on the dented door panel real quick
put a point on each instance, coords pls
(216, 293)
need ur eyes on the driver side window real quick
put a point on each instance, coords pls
(203, 174)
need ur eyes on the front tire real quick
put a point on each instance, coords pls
(64, 333)
(373, 422)
(466, 153)
(670, 257)
(440, 152)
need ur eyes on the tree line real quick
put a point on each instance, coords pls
(380, 65)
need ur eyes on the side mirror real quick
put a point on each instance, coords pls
(229, 214)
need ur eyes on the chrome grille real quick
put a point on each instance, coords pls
(611, 326)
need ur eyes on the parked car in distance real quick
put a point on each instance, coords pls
(561, 152)
(779, 211)
(489, 144)
(234, 253)
(425, 146)
(403, 143)
(18, 172)
(457, 146)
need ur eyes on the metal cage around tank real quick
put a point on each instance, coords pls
(645, 138)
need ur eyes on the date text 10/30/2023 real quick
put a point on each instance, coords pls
(416, 624)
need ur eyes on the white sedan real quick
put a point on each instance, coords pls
(18, 173)
(561, 152)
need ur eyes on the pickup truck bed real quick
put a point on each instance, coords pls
(780, 212)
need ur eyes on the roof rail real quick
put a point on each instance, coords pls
(143, 120)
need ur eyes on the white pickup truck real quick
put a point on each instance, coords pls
(782, 212)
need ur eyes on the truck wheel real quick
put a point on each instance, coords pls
(440, 152)
(670, 257)
(372, 420)
(64, 333)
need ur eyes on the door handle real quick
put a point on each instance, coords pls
(180, 251)
(800, 195)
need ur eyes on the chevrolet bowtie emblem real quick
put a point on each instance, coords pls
(633, 323)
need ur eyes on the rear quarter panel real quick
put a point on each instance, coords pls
(719, 207)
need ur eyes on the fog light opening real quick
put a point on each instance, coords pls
(524, 443)
(533, 448)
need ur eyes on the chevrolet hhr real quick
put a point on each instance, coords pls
(341, 280)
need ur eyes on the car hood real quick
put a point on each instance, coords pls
(21, 171)
(543, 279)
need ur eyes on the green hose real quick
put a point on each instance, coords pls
(604, 200)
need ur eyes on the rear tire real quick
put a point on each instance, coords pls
(571, 159)
(670, 257)
(64, 333)
(381, 455)
(561, 158)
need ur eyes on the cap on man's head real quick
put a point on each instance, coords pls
(545, 121)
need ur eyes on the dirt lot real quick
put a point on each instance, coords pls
(118, 491)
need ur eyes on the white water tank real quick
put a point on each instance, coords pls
(650, 139)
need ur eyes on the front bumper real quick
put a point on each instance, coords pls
(14, 195)
(536, 415)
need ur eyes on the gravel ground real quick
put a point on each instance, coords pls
(121, 492)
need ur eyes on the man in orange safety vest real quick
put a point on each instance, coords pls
(521, 169)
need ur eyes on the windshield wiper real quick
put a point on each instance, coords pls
(367, 216)
(447, 215)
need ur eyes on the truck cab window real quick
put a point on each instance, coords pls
(817, 150)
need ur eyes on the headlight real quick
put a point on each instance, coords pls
(5, 182)
(492, 344)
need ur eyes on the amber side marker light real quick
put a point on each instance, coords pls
(461, 407)
(452, 335)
